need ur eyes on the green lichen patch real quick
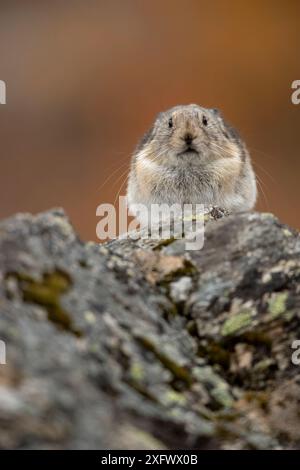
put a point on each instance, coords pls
(218, 389)
(163, 243)
(137, 372)
(288, 315)
(236, 323)
(47, 293)
(277, 304)
(222, 397)
(178, 371)
(171, 397)
(141, 390)
(264, 365)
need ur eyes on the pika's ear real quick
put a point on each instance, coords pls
(232, 132)
(147, 137)
(160, 116)
(216, 112)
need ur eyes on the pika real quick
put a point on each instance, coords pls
(191, 155)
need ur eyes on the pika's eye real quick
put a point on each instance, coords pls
(204, 121)
(170, 123)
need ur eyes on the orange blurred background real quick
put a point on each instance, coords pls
(86, 78)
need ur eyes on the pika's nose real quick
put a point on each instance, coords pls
(188, 138)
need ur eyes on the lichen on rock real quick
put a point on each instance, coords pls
(164, 348)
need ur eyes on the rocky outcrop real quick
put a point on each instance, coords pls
(145, 345)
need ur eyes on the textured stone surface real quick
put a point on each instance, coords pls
(135, 344)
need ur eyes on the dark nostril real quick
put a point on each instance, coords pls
(188, 139)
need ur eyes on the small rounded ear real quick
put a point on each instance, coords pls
(233, 133)
(216, 112)
(160, 116)
(146, 139)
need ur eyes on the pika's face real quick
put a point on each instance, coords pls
(190, 134)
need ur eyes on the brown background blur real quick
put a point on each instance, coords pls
(85, 78)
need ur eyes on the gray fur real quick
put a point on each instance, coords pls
(216, 170)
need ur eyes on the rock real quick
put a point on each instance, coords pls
(135, 344)
(180, 290)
